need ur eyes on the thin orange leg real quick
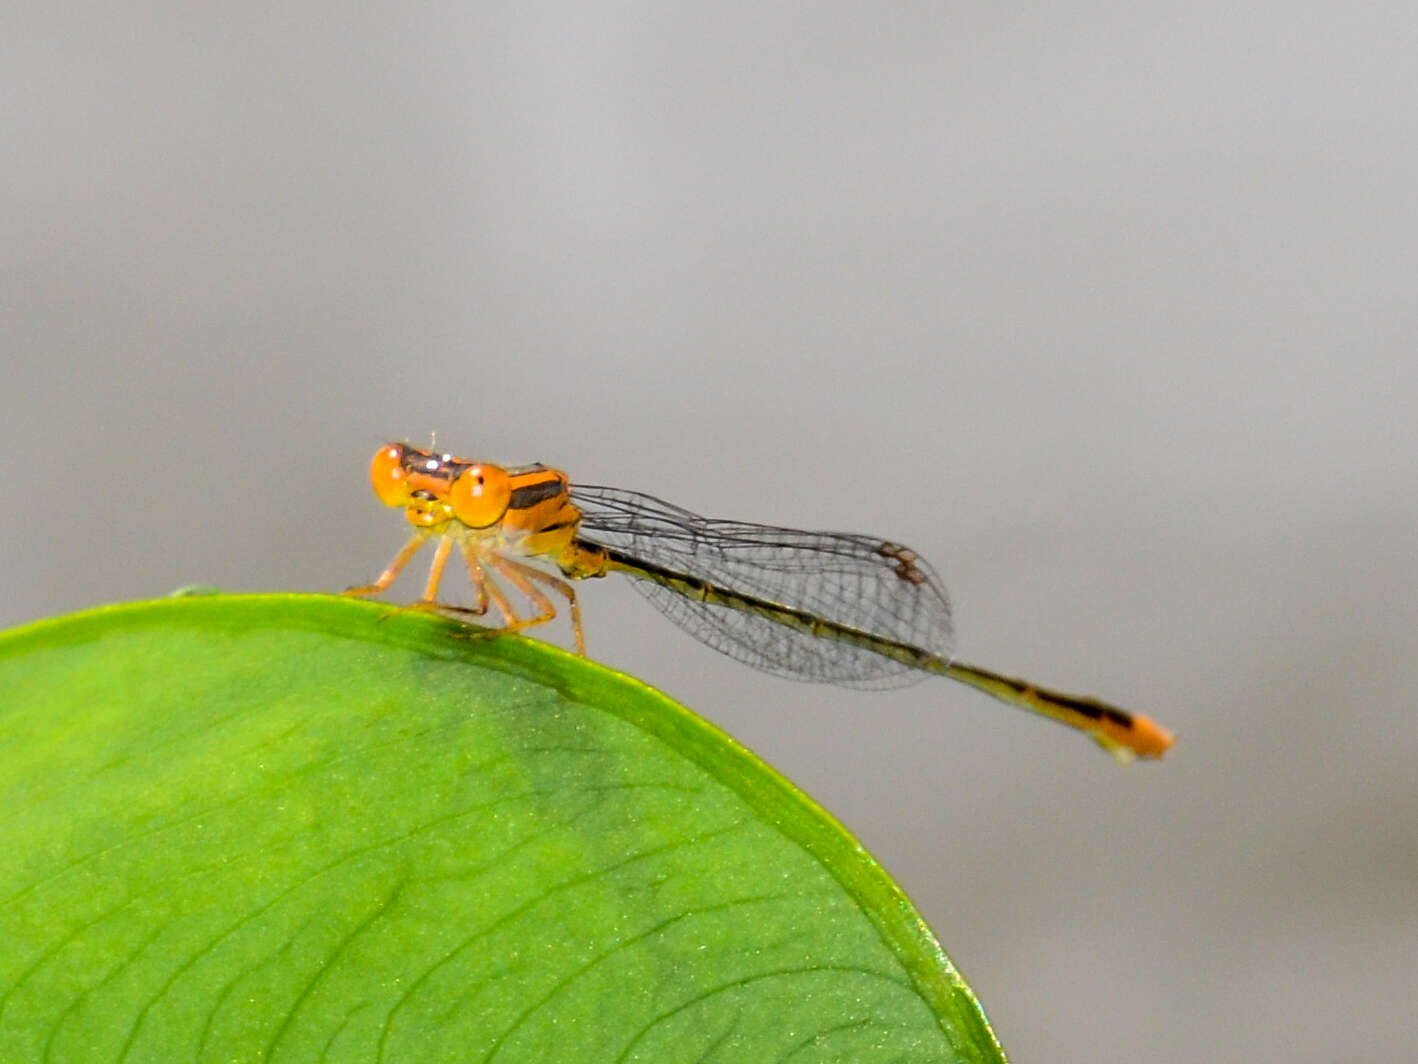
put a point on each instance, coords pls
(435, 570)
(400, 560)
(481, 585)
(567, 590)
(487, 586)
(513, 572)
(476, 577)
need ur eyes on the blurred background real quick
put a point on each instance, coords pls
(1109, 310)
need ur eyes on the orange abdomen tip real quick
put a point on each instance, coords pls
(1148, 738)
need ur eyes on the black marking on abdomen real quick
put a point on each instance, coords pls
(1092, 709)
(695, 588)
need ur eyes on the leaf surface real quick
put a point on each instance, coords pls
(303, 828)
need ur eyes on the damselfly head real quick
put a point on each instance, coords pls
(435, 488)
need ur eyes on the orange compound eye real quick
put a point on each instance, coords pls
(387, 476)
(480, 495)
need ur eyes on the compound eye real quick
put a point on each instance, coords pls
(480, 495)
(387, 476)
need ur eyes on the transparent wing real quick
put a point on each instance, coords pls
(865, 583)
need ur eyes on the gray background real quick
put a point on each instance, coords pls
(1107, 309)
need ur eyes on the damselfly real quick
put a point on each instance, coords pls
(824, 606)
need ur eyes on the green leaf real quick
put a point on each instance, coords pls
(298, 828)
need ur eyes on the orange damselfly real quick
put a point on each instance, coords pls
(830, 607)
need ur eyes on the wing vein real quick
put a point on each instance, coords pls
(853, 581)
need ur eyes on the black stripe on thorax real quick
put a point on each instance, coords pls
(531, 494)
